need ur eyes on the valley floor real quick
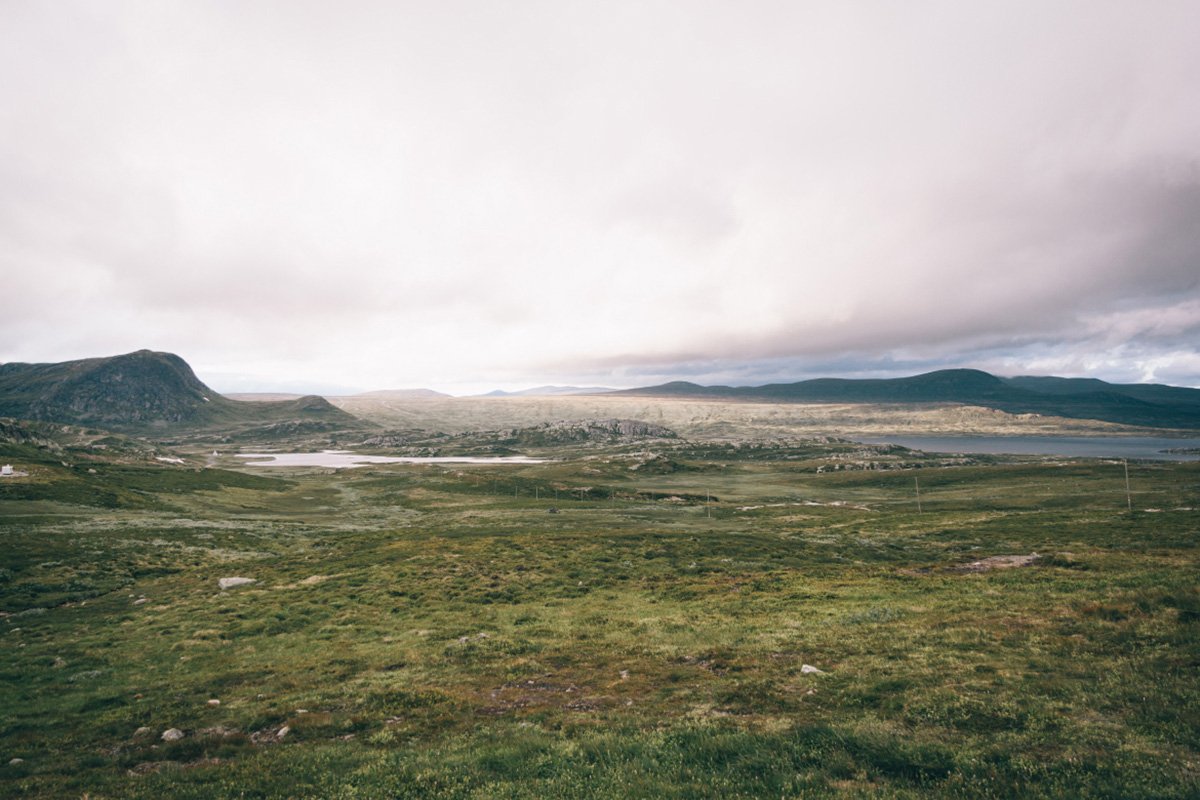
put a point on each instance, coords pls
(722, 420)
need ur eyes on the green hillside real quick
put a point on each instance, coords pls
(143, 391)
(1129, 404)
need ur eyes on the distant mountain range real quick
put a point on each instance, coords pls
(148, 391)
(380, 394)
(1151, 405)
(403, 394)
(549, 391)
(143, 391)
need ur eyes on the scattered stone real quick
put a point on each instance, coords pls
(141, 600)
(284, 731)
(213, 703)
(301, 710)
(218, 731)
(12, 762)
(172, 735)
(624, 674)
(142, 731)
(809, 669)
(229, 583)
(1000, 562)
(145, 768)
(59, 662)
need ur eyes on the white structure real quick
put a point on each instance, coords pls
(6, 469)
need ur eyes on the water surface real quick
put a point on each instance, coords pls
(1133, 447)
(344, 459)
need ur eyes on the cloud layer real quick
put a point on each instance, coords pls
(470, 194)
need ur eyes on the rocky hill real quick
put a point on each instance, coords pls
(141, 391)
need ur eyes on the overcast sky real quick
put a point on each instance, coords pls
(339, 196)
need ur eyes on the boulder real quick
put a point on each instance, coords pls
(229, 583)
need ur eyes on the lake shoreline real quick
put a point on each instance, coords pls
(1142, 448)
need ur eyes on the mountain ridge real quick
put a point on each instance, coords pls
(1151, 405)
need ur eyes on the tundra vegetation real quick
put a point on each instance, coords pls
(700, 617)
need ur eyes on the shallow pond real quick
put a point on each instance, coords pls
(344, 459)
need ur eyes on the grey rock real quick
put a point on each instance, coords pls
(12, 762)
(809, 669)
(142, 731)
(172, 735)
(218, 731)
(284, 731)
(229, 583)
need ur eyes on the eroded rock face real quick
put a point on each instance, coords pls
(229, 583)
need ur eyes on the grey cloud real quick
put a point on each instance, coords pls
(617, 190)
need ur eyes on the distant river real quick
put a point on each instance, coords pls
(1143, 447)
(344, 459)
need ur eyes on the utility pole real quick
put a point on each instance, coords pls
(917, 484)
(1128, 495)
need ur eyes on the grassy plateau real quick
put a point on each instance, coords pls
(669, 619)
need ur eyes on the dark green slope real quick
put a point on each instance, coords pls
(142, 391)
(1078, 398)
(1148, 392)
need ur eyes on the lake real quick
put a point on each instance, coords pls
(1132, 447)
(344, 459)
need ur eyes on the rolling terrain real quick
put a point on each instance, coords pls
(1125, 404)
(696, 619)
(717, 418)
(683, 598)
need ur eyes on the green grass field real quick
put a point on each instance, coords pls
(434, 632)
